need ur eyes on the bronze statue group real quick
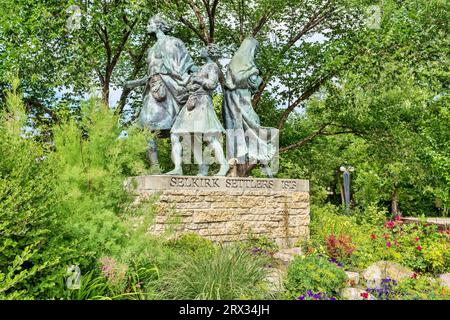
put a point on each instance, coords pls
(177, 103)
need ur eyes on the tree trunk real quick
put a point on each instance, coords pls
(336, 184)
(105, 89)
(394, 204)
(245, 169)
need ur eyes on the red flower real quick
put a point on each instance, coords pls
(414, 275)
(389, 244)
(373, 236)
(389, 224)
(398, 218)
(419, 248)
(365, 295)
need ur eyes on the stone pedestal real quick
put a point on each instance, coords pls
(228, 209)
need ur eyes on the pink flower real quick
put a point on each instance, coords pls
(398, 218)
(414, 276)
(107, 266)
(389, 244)
(112, 269)
(419, 247)
(389, 224)
(385, 236)
(417, 238)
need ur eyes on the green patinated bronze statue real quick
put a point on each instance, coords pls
(247, 141)
(177, 102)
(199, 119)
(165, 92)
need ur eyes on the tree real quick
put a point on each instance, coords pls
(106, 45)
(392, 108)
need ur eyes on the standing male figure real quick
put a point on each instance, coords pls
(169, 65)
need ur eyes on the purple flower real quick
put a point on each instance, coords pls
(333, 260)
(310, 295)
(386, 290)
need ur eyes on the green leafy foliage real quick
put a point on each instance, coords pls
(92, 162)
(28, 219)
(418, 246)
(67, 206)
(313, 273)
(420, 288)
(193, 243)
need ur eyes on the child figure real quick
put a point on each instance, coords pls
(199, 118)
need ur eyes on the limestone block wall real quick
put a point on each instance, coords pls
(229, 209)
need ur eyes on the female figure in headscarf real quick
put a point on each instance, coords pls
(169, 65)
(247, 140)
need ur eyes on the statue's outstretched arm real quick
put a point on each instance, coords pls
(136, 83)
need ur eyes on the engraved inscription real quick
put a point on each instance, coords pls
(289, 184)
(243, 183)
(194, 182)
(233, 183)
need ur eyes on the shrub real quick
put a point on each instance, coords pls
(66, 205)
(261, 244)
(313, 273)
(28, 219)
(436, 255)
(416, 246)
(92, 163)
(339, 247)
(193, 244)
(420, 288)
(231, 273)
(370, 215)
(327, 220)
